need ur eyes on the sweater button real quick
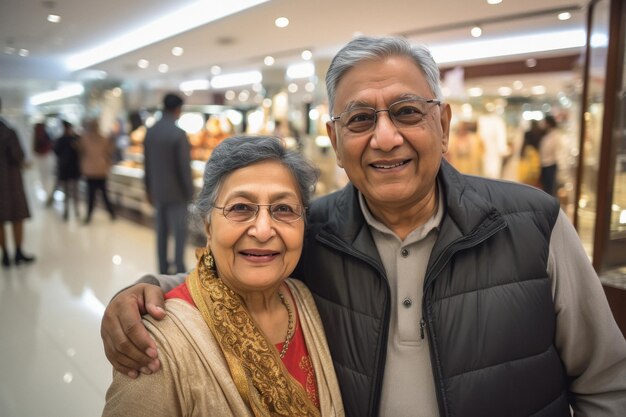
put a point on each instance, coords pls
(407, 302)
(404, 253)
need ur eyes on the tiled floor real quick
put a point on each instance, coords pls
(51, 358)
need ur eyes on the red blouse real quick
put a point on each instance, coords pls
(296, 360)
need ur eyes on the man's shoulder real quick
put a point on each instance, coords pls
(509, 195)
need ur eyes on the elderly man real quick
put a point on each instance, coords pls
(440, 294)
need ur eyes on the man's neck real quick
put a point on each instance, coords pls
(402, 220)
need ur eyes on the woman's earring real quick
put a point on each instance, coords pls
(208, 260)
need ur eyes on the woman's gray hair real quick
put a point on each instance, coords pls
(373, 48)
(240, 151)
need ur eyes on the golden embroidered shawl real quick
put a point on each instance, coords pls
(196, 380)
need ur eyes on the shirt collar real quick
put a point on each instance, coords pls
(420, 232)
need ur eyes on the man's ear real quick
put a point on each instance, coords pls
(332, 134)
(445, 116)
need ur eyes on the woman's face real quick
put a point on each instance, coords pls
(260, 254)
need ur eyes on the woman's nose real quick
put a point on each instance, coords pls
(263, 226)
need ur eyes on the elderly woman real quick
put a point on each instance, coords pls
(240, 338)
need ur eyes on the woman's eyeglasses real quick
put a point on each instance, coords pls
(247, 212)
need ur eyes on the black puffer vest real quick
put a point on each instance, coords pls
(487, 302)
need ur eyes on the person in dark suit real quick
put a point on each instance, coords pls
(168, 180)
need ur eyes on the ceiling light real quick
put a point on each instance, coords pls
(236, 79)
(476, 31)
(475, 92)
(494, 1)
(565, 16)
(309, 87)
(54, 18)
(301, 70)
(244, 95)
(193, 85)
(197, 14)
(69, 90)
(177, 51)
(229, 95)
(507, 46)
(531, 62)
(216, 69)
(518, 85)
(281, 22)
(23, 52)
(268, 60)
(163, 68)
(538, 90)
(9, 50)
(143, 63)
(292, 87)
(306, 55)
(505, 91)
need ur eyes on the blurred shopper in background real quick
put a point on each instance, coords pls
(13, 203)
(529, 166)
(168, 181)
(44, 158)
(68, 167)
(119, 140)
(466, 149)
(95, 163)
(549, 147)
(440, 293)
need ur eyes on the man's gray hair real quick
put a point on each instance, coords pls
(373, 48)
(241, 151)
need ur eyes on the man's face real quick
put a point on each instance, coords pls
(393, 167)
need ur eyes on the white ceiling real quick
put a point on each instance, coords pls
(242, 40)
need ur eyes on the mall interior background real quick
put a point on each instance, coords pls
(495, 89)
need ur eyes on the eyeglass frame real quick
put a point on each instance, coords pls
(303, 210)
(422, 99)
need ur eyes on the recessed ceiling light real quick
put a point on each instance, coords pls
(292, 87)
(229, 95)
(565, 16)
(268, 60)
(494, 1)
(163, 68)
(531, 63)
(54, 18)
(281, 22)
(475, 92)
(177, 51)
(518, 85)
(143, 63)
(9, 50)
(216, 70)
(505, 91)
(23, 52)
(538, 89)
(306, 55)
(476, 31)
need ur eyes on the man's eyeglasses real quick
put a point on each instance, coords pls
(247, 212)
(403, 113)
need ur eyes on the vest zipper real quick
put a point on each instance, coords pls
(443, 258)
